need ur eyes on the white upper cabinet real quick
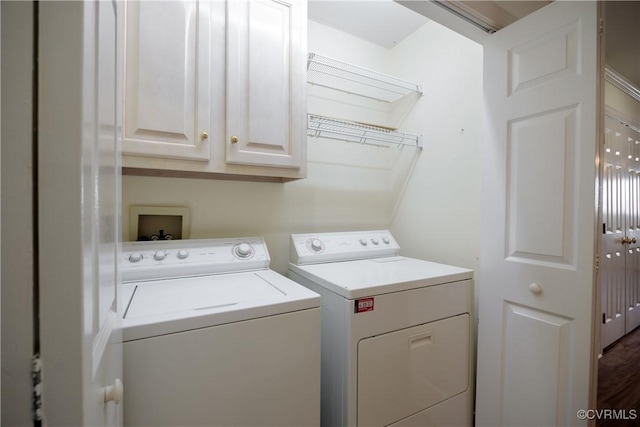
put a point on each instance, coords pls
(216, 89)
(266, 77)
(167, 94)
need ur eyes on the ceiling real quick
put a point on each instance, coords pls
(382, 22)
(386, 22)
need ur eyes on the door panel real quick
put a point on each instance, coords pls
(550, 385)
(536, 275)
(544, 59)
(540, 143)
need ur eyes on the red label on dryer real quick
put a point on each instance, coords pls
(363, 304)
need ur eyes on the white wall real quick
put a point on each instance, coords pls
(622, 38)
(352, 186)
(346, 188)
(439, 216)
(621, 102)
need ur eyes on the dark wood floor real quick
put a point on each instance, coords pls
(619, 380)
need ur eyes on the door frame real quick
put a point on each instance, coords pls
(18, 274)
(599, 164)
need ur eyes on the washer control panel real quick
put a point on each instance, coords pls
(328, 247)
(161, 259)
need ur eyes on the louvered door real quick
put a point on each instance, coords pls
(620, 256)
(632, 270)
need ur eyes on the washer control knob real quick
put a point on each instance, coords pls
(183, 253)
(374, 241)
(363, 242)
(243, 250)
(386, 240)
(160, 255)
(316, 245)
(135, 257)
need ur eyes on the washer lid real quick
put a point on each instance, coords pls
(175, 305)
(368, 277)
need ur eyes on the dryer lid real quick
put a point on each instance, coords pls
(368, 277)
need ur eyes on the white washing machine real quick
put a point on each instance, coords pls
(396, 340)
(213, 337)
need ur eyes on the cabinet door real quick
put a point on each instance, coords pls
(266, 83)
(167, 93)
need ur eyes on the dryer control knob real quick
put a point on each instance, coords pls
(316, 245)
(135, 257)
(374, 241)
(183, 253)
(363, 242)
(243, 250)
(160, 255)
(386, 240)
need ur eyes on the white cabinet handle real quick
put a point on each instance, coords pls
(535, 288)
(113, 393)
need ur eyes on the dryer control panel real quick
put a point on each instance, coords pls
(163, 259)
(342, 246)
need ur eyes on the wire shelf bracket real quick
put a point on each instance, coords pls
(345, 77)
(343, 130)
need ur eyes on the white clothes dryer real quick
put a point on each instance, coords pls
(396, 331)
(213, 337)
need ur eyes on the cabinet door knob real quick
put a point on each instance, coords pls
(204, 135)
(234, 139)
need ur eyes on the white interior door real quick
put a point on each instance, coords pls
(536, 278)
(632, 294)
(615, 204)
(620, 252)
(79, 211)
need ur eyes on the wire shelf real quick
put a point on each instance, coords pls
(343, 130)
(328, 72)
